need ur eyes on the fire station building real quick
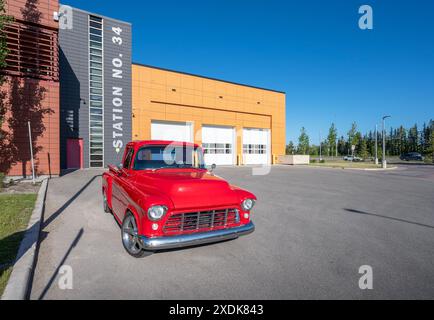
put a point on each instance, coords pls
(69, 73)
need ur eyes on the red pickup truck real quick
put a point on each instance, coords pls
(164, 197)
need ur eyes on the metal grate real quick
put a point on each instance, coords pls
(201, 220)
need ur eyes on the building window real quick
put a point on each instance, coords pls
(254, 148)
(217, 148)
(96, 93)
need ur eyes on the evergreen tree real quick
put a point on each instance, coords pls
(290, 149)
(303, 142)
(413, 139)
(363, 149)
(331, 140)
(352, 135)
(342, 147)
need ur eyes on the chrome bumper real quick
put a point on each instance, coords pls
(193, 239)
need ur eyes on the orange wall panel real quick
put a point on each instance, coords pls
(168, 95)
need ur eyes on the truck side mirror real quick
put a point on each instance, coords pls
(213, 166)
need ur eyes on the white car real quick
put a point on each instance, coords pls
(351, 158)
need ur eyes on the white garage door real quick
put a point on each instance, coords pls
(256, 146)
(172, 131)
(218, 145)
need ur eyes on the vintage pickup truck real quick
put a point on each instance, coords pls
(164, 197)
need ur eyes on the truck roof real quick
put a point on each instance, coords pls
(141, 143)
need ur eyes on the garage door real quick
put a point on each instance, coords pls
(219, 145)
(256, 146)
(172, 131)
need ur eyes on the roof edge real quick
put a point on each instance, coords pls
(206, 77)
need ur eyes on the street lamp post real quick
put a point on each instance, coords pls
(320, 153)
(376, 145)
(383, 161)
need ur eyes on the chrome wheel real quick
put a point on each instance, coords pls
(130, 237)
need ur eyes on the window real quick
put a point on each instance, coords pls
(128, 158)
(254, 149)
(155, 157)
(96, 94)
(217, 148)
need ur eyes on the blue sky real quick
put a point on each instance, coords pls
(330, 70)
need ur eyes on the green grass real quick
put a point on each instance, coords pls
(347, 164)
(15, 212)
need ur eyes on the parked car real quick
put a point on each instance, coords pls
(411, 156)
(164, 197)
(352, 158)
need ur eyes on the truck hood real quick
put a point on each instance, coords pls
(189, 188)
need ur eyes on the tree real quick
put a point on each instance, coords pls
(342, 146)
(331, 139)
(290, 149)
(413, 138)
(303, 142)
(353, 138)
(363, 149)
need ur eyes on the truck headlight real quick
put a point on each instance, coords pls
(247, 204)
(156, 212)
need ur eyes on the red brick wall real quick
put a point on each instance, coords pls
(45, 9)
(34, 100)
(43, 114)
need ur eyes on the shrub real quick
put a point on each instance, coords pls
(313, 161)
(322, 161)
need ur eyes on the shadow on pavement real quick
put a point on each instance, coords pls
(53, 277)
(390, 218)
(67, 203)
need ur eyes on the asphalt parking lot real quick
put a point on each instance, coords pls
(314, 228)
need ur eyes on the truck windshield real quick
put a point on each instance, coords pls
(168, 156)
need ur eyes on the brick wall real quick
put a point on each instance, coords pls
(31, 99)
(42, 11)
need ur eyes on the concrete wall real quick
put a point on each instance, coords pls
(293, 159)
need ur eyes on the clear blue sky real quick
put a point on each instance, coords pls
(330, 70)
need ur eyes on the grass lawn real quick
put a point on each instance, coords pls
(347, 164)
(15, 212)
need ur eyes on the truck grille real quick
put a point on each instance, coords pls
(194, 221)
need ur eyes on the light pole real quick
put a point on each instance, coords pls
(376, 144)
(383, 161)
(320, 153)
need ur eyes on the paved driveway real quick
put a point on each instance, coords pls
(315, 228)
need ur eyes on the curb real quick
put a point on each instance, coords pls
(19, 281)
(358, 169)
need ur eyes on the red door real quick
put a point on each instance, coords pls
(74, 153)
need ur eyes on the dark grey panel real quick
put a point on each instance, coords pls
(117, 89)
(74, 87)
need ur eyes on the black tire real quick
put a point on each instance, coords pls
(105, 203)
(129, 236)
